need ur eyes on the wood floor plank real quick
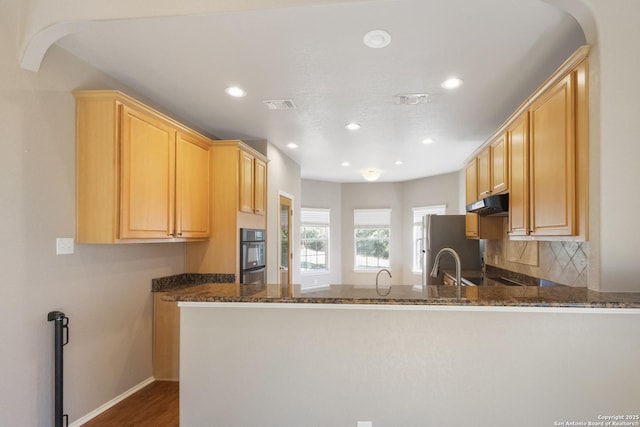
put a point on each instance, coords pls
(155, 405)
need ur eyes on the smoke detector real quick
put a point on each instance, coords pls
(279, 104)
(412, 98)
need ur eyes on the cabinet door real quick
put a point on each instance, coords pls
(260, 187)
(518, 137)
(147, 194)
(499, 165)
(166, 339)
(471, 180)
(192, 187)
(552, 161)
(484, 174)
(246, 182)
(471, 225)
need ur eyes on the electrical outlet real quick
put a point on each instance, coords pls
(64, 245)
(364, 424)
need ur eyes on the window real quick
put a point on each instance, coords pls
(418, 216)
(372, 230)
(314, 240)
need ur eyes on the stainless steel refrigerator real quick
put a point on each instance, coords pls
(447, 231)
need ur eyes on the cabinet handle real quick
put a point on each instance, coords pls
(180, 233)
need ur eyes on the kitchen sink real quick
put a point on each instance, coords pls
(473, 281)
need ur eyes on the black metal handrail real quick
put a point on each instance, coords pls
(61, 339)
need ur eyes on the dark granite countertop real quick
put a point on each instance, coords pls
(498, 288)
(186, 280)
(492, 294)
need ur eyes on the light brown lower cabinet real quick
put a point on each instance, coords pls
(166, 339)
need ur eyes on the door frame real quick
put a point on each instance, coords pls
(291, 230)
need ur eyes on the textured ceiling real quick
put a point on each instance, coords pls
(502, 49)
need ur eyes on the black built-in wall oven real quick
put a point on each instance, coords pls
(252, 256)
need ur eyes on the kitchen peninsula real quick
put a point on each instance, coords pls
(345, 354)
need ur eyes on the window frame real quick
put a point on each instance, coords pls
(317, 218)
(365, 219)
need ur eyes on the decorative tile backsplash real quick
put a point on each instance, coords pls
(559, 261)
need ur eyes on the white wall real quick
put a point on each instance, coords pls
(337, 366)
(612, 30)
(618, 35)
(326, 195)
(283, 177)
(104, 290)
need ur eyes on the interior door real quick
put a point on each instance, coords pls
(286, 253)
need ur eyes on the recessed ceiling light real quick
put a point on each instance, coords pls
(235, 91)
(292, 145)
(399, 162)
(345, 164)
(427, 141)
(352, 126)
(377, 38)
(452, 83)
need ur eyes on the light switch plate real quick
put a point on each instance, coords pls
(365, 424)
(64, 245)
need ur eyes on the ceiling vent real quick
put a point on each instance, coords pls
(412, 98)
(280, 104)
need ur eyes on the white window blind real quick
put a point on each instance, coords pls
(371, 218)
(313, 216)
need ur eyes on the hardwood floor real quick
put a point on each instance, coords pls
(156, 405)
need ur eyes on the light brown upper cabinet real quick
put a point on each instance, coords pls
(253, 179)
(192, 186)
(546, 142)
(499, 165)
(493, 168)
(147, 189)
(471, 181)
(518, 138)
(471, 184)
(549, 161)
(484, 174)
(260, 187)
(552, 169)
(140, 175)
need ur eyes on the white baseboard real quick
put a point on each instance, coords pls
(91, 415)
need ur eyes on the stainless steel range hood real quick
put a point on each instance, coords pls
(497, 205)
